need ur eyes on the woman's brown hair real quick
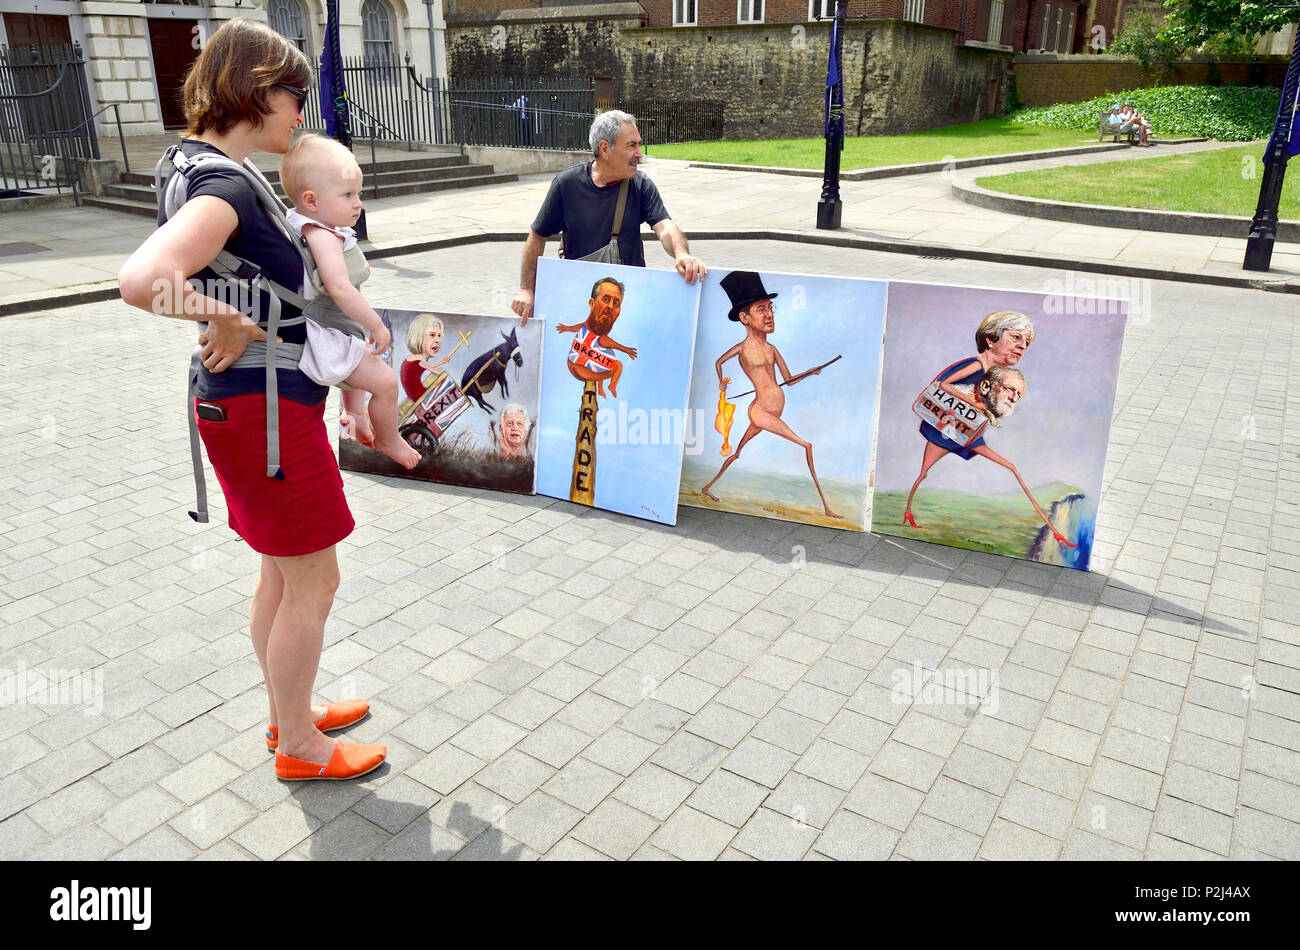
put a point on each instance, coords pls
(238, 68)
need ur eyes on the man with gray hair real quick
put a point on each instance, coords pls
(584, 200)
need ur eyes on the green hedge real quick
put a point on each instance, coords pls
(1226, 113)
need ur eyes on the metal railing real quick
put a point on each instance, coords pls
(523, 113)
(661, 121)
(394, 103)
(45, 119)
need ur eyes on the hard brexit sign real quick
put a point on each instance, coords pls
(955, 418)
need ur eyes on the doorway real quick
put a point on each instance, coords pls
(173, 46)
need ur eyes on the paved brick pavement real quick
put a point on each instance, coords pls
(711, 699)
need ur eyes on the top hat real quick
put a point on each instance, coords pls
(744, 287)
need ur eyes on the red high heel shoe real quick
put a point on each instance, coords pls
(1061, 539)
(909, 520)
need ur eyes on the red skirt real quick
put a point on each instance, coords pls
(300, 514)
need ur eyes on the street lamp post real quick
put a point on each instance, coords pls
(830, 206)
(1263, 229)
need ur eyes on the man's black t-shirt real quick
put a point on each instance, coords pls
(260, 241)
(584, 213)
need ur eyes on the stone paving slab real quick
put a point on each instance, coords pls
(721, 702)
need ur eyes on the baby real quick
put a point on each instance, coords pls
(323, 181)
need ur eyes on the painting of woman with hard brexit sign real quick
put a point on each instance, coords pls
(994, 419)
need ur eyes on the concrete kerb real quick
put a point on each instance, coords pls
(96, 293)
(899, 171)
(1106, 216)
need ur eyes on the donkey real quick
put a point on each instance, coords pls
(483, 374)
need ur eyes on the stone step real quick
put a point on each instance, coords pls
(424, 161)
(387, 177)
(138, 199)
(149, 210)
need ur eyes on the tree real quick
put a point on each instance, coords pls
(1193, 22)
(1144, 38)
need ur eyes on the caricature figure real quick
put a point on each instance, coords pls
(751, 306)
(591, 356)
(1000, 341)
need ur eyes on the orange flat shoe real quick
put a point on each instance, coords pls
(350, 760)
(337, 715)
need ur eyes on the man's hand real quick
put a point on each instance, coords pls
(381, 339)
(690, 267)
(523, 305)
(225, 340)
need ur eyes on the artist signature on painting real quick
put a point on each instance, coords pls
(652, 512)
(980, 543)
(775, 509)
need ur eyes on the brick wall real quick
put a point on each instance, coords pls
(898, 76)
(1044, 80)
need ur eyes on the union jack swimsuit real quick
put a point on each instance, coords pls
(588, 353)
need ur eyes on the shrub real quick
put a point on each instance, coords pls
(1226, 113)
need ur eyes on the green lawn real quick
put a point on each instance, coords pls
(989, 137)
(1222, 181)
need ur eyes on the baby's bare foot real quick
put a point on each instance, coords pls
(396, 449)
(365, 431)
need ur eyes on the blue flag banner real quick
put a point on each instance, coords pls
(1285, 127)
(834, 86)
(332, 88)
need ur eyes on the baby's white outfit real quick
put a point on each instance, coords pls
(330, 356)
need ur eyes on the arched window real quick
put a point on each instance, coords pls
(377, 34)
(286, 18)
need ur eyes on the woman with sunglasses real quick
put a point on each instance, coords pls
(244, 93)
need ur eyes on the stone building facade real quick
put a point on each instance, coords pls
(137, 52)
(898, 76)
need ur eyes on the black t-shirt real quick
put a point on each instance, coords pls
(257, 240)
(585, 213)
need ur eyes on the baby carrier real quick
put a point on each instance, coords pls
(247, 280)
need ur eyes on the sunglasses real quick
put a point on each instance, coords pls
(298, 92)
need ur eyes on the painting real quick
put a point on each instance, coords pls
(615, 375)
(783, 397)
(995, 412)
(468, 400)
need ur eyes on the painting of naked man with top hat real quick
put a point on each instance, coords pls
(783, 397)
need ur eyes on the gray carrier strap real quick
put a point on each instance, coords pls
(244, 277)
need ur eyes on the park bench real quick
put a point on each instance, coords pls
(1104, 128)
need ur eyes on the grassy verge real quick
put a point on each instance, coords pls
(1222, 181)
(988, 137)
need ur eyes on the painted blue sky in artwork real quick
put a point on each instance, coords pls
(817, 318)
(641, 433)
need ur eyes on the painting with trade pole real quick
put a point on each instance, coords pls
(467, 400)
(615, 374)
(783, 397)
(995, 412)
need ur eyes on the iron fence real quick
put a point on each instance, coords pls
(523, 113)
(661, 121)
(393, 103)
(45, 118)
